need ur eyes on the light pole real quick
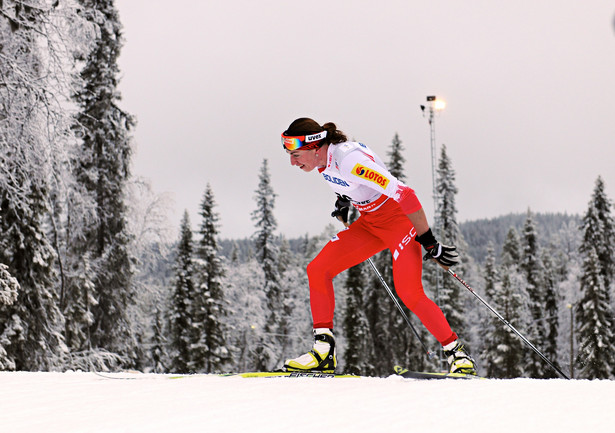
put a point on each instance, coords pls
(433, 106)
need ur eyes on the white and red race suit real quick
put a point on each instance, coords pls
(355, 171)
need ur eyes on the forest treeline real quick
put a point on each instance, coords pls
(89, 279)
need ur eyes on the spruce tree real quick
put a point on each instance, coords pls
(451, 302)
(379, 316)
(267, 251)
(359, 352)
(292, 265)
(489, 341)
(396, 342)
(598, 229)
(211, 351)
(551, 311)
(504, 352)
(158, 350)
(405, 348)
(30, 327)
(533, 272)
(595, 321)
(396, 159)
(491, 275)
(180, 314)
(102, 170)
(595, 316)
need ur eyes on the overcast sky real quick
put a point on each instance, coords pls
(529, 86)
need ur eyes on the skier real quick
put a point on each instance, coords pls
(391, 217)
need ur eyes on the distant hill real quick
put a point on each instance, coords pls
(550, 228)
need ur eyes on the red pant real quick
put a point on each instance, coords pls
(387, 227)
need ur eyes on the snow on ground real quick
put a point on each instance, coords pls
(87, 402)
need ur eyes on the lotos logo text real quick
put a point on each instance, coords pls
(371, 175)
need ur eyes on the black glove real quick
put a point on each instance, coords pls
(446, 255)
(342, 207)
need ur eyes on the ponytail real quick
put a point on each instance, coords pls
(334, 135)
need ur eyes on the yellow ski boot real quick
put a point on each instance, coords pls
(322, 356)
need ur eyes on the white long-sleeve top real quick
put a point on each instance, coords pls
(355, 171)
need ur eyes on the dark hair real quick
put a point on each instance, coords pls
(305, 125)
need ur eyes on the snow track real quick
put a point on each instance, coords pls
(86, 402)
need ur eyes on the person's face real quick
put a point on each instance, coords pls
(306, 160)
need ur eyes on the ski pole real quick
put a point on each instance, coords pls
(502, 319)
(430, 354)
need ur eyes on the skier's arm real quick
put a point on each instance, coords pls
(419, 221)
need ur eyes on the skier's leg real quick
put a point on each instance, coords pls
(397, 232)
(348, 248)
(407, 273)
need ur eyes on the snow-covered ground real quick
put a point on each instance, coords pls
(87, 402)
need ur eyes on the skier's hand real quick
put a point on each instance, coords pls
(342, 207)
(446, 255)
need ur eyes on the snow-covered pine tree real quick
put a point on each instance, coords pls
(31, 327)
(491, 275)
(488, 343)
(598, 229)
(210, 352)
(293, 279)
(180, 311)
(451, 302)
(551, 312)
(159, 341)
(358, 354)
(396, 158)
(532, 270)
(393, 342)
(267, 250)
(79, 297)
(102, 169)
(594, 311)
(595, 322)
(506, 351)
(406, 349)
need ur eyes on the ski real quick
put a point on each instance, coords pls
(421, 375)
(292, 374)
(274, 374)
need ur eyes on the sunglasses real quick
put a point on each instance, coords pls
(305, 141)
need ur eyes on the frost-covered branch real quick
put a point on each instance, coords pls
(8, 286)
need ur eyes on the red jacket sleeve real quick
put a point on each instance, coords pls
(408, 200)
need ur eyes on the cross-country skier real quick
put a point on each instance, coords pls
(391, 217)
